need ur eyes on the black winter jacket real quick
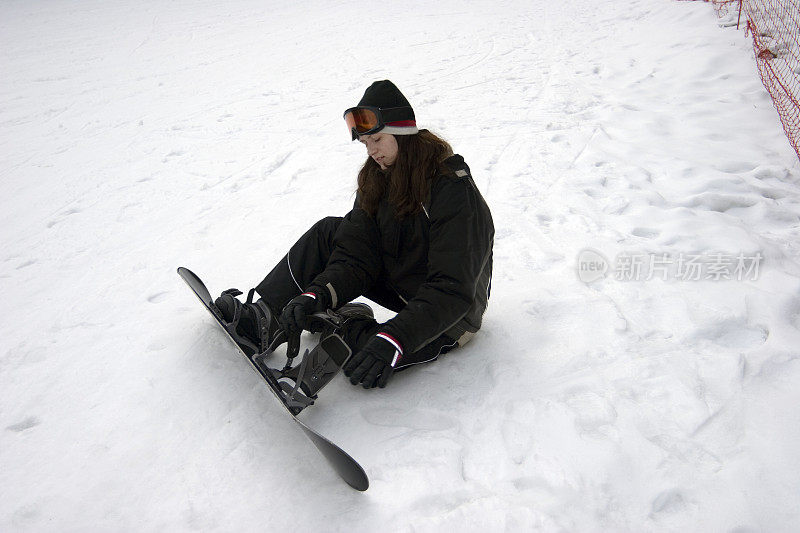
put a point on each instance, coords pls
(439, 262)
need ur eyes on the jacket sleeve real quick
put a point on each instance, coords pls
(460, 245)
(355, 262)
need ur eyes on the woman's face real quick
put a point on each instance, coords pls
(382, 147)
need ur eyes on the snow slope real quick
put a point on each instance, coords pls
(136, 137)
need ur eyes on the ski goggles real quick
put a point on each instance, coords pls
(366, 120)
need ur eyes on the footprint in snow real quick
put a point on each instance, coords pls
(670, 501)
(518, 431)
(415, 419)
(592, 411)
(734, 333)
(156, 345)
(158, 297)
(646, 233)
(736, 167)
(720, 202)
(62, 216)
(28, 423)
(174, 153)
(777, 173)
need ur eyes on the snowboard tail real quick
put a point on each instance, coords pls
(293, 393)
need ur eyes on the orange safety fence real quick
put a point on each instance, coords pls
(774, 26)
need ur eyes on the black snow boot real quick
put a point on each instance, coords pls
(252, 325)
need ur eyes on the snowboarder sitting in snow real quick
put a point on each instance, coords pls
(418, 242)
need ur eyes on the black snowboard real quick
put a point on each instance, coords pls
(347, 467)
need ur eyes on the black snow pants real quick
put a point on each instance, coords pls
(305, 260)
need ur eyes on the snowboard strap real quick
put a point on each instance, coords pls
(319, 365)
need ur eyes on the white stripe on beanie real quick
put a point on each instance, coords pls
(399, 130)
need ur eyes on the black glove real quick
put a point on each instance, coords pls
(374, 364)
(294, 317)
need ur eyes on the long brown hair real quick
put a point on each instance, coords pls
(419, 160)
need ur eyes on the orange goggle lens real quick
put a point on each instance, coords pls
(361, 120)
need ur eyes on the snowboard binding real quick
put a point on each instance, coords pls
(251, 324)
(298, 385)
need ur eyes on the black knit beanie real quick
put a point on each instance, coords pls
(396, 111)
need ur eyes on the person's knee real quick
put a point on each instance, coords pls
(323, 231)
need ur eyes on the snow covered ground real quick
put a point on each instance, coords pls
(136, 137)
